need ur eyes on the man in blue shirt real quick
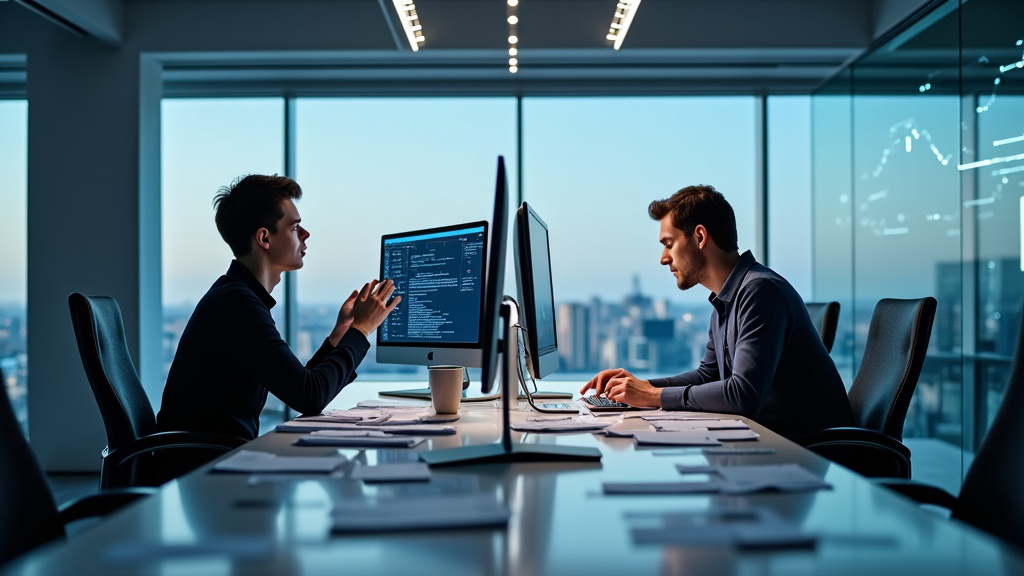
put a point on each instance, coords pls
(231, 355)
(764, 358)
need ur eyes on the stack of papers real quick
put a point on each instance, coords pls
(355, 438)
(417, 513)
(252, 461)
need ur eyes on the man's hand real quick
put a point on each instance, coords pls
(345, 318)
(371, 306)
(621, 386)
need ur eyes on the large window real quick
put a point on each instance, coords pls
(377, 166)
(207, 143)
(590, 168)
(13, 238)
(372, 166)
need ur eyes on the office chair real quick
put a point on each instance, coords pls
(30, 515)
(132, 436)
(990, 497)
(825, 317)
(894, 353)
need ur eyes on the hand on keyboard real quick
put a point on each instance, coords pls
(602, 402)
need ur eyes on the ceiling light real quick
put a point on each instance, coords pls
(513, 35)
(410, 22)
(624, 12)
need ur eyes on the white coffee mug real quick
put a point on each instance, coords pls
(445, 388)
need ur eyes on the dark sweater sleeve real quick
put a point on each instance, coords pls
(674, 387)
(763, 325)
(268, 360)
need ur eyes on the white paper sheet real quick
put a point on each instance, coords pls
(368, 438)
(417, 513)
(572, 424)
(676, 425)
(392, 472)
(252, 461)
(681, 438)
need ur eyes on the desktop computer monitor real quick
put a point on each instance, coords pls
(490, 319)
(439, 273)
(494, 320)
(536, 295)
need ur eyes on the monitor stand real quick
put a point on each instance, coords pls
(508, 452)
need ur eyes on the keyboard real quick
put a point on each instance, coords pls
(602, 402)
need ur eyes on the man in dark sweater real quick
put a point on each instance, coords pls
(764, 358)
(231, 354)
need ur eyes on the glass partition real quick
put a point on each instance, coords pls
(14, 239)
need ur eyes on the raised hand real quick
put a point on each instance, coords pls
(371, 305)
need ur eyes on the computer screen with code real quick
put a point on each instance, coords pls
(439, 273)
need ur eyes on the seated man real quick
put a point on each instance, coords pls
(764, 358)
(231, 354)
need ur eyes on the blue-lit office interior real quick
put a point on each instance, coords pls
(871, 149)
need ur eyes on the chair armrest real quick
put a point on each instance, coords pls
(100, 504)
(850, 436)
(919, 492)
(860, 449)
(174, 440)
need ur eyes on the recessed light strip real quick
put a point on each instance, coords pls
(624, 12)
(410, 22)
(513, 36)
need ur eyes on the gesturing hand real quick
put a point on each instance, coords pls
(370, 306)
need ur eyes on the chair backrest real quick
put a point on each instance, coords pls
(990, 498)
(127, 413)
(893, 356)
(825, 317)
(29, 515)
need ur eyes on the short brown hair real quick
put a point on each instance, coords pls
(250, 203)
(700, 204)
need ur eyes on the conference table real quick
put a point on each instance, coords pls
(561, 522)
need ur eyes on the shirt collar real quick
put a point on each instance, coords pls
(732, 283)
(239, 272)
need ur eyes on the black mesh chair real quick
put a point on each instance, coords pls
(30, 515)
(880, 395)
(990, 497)
(132, 437)
(825, 317)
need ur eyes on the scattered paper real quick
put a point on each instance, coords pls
(676, 425)
(368, 438)
(745, 528)
(392, 472)
(418, 513)
(571, 424)
(771, 477)
(730, 435)
(663, 415)
(681, 438)
(389, 427)
(675, 487)
(252, 461)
